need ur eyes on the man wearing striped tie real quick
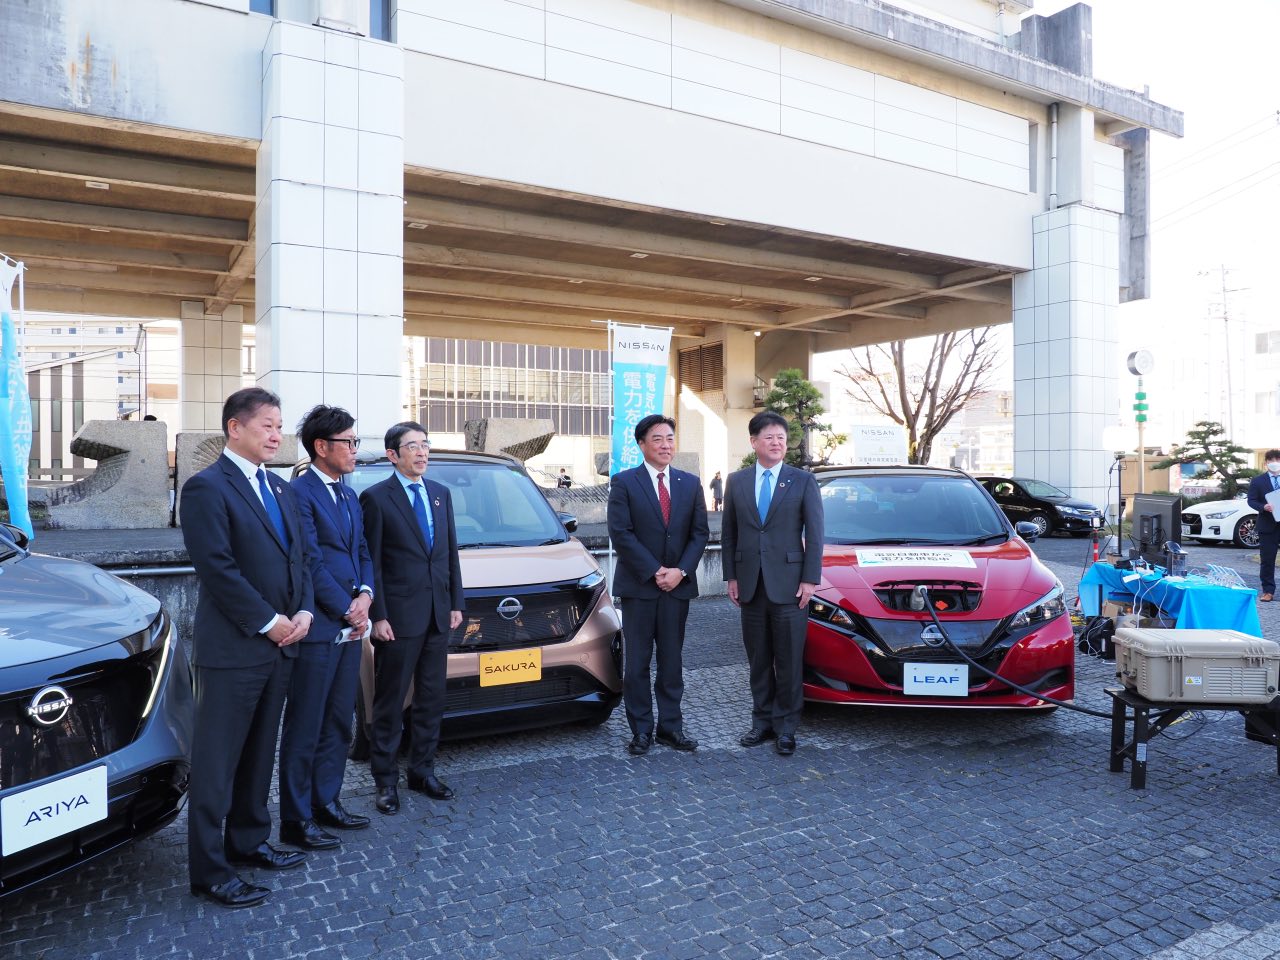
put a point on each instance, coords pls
(771, 552)
(417, 601)
(1268, 531)
(658, 525)
(245, 538)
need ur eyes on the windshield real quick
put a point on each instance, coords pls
(493, 503)
(908, 509)
(1038, 488)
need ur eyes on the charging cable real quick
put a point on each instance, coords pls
(920, 601)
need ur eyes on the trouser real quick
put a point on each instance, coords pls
(773, 634)
(422, 662)
(650, 624)
(237, 718)
(1268, 541)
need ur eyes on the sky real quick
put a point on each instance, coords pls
(1215, 202)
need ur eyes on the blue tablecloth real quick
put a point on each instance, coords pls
(1192, 602)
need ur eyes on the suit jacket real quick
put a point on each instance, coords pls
(1259, 487)
(642, 541)
(340, 563)
(786, 549)
(410, 581)
(246, 574)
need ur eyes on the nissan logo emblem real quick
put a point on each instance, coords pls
(932, 635)
(49, 706)
(509, 608)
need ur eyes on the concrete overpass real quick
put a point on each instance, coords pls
(769, 177)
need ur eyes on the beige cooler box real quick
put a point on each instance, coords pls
(1199, 666)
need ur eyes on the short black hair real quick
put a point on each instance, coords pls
(1272, 455)
(321, 423)
(245, 403)
(649, 422)
(767, 418)
(394, 434)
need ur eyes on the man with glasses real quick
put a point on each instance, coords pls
(771, 551)
(417, 601)
(322, 691)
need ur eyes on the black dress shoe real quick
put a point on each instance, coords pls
(786, 745)
(308, 836)
(756, 736)
(388, 801)
(639, 744)
(335, 816)
(432, 786)
(234, 893)
(676, 740)
(268, 858)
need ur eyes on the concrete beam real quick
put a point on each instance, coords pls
(124, 220)
(499, 312)
(66, 253)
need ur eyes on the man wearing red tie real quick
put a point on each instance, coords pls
(658, 524)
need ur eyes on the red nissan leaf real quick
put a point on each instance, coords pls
(891, 529)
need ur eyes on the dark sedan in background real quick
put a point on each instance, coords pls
(95, 714)
(1050, 509)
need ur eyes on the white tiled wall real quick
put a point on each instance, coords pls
(1065, 350)
(637, 52)
(1108, 176)
(211, 364)
(329, 289)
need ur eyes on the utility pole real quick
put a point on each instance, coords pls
(1225, 317)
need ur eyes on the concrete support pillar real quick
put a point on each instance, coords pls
(211, 364)
(1066, 361)
(330, 224)
(1077, 151)
(786, 349)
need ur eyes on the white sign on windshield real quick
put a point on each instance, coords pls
(914, 557)
(878, 445)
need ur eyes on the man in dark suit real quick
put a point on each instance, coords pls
(1268, 530)
(246, 540)
(322, 692)
(417, 601)
(658, 525)
(771, 552)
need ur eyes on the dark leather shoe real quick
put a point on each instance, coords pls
(1266, 598)
(432, 786)
(234, 893)
(786, 745)
(755, 736)
(676, 740)
(388, 801)
(268, 858)
(639, 744)
(336, 817)
(308, 836)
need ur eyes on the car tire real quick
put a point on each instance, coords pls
(359, 731)
(1246, 533)
(1042, 521)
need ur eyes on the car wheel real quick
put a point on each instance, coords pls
(1246, 534)
(359, 731)
(1042, 522)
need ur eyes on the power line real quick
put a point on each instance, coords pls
(1174, 169)
(1273, 119)
(1241, 186)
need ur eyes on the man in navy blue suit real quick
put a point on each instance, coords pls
(658, 524)
(322, 693)
(1268, 530)
(251, 554)
(417, 601)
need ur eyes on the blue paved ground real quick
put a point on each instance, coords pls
(889, 834)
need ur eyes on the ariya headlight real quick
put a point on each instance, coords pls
(160, 642)
(1047, 608)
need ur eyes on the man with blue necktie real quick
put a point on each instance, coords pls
(1268, 530)
(417, 601)
(771, 553)
(322, 692)
(245, 538)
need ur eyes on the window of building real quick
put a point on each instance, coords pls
(380, 19)
(56, 330)
(702, 368)
(263, 6)
(55, 416)
(71, 330)
(102, 330)
(119, 379)
(77, 415)
(119, 329)
(119, 354)
(1267, 342)
(35, 416)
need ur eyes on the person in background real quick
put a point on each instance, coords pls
(564, 480)
(1268, 531)
(717, 491)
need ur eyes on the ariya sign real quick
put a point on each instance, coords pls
(640, 356)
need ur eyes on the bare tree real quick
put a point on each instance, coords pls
(923, 397)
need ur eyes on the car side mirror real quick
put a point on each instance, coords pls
(569, 520)
(16, 534)
(1027, 530)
